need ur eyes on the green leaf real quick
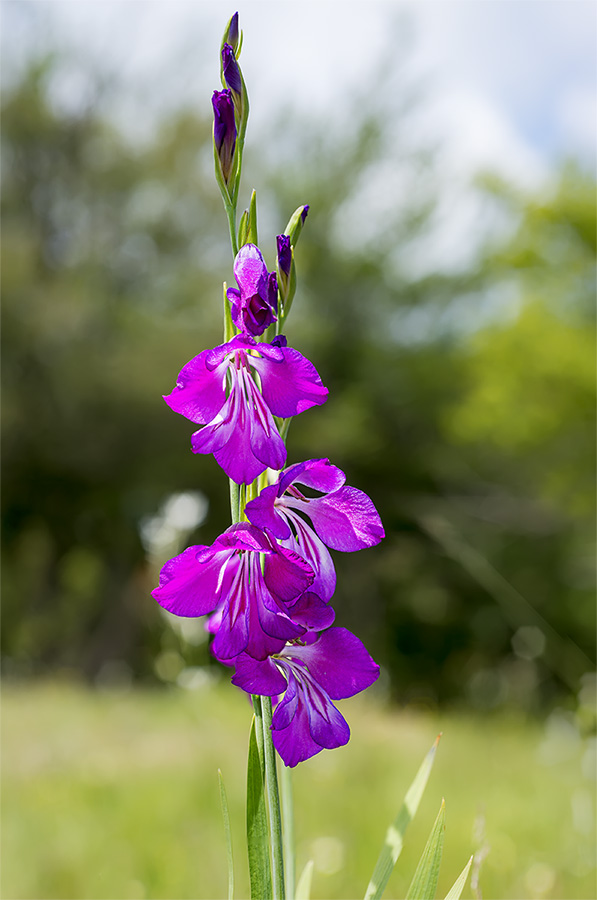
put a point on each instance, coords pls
(395, 834)
(303, 888)
(252, 220)
(226, 817)
(247, 230)
(458, 886)
(424, 884)
(257, 830)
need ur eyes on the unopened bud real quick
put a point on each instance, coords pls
(231, 33)
(224, 132)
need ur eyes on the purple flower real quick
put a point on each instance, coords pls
(224, 130)
(239, 427)
(231, 70)
(342, 517)
(254, 306)
(284, 254)
(252, 604)
(331, 666)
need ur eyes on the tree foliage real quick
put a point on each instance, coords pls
(113, 258)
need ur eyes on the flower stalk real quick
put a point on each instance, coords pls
(265, 585)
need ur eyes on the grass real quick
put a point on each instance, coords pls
(115, 795)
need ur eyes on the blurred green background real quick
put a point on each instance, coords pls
(461, 400)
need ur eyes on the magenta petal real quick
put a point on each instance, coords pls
(250, 269)
(291, 386)
(200, 392)
(188, 587)
(318, 474)
(328, 727)
(286, 574)
(243, 436)
(344, 520)
(244, 536)
(315, 553)
(340, 663)
(311, 612)
(261, 512)
(258, 676)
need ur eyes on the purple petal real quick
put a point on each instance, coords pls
(318, 474)
(250, 270)
(345, 520)
(200, 393)
(286, 574)
(339, 662)
(243, 436)
(289, 387)
(284, 253)
(261, 512)
(189, 587)
(311, 548)
(244, 536)
(231, 70)
(328, 727)
(311, 612)
(258, 676)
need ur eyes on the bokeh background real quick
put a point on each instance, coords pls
(446, 296)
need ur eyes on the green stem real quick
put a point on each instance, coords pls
(273, 799)
(231, 216)
(234, 502)
(288, 822)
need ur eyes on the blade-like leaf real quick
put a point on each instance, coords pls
(303, 888)
(257, 830)
(395, 834)
(458, 886)
(424, 884)
(226, 817)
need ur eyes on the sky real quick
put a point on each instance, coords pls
(510, 84)
(513, 81)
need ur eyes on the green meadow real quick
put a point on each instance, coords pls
(114, 794)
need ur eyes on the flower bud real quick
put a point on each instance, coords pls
(233, 80)
(231, 70)
(295, 225)
(231, 34)
(284, 254)
(224, 132)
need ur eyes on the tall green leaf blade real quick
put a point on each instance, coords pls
(424, 884)
(257, 830)
(392, 846)
(226, 817)
(458, 886)
(303, 888)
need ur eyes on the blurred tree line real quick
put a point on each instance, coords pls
(461, 400)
